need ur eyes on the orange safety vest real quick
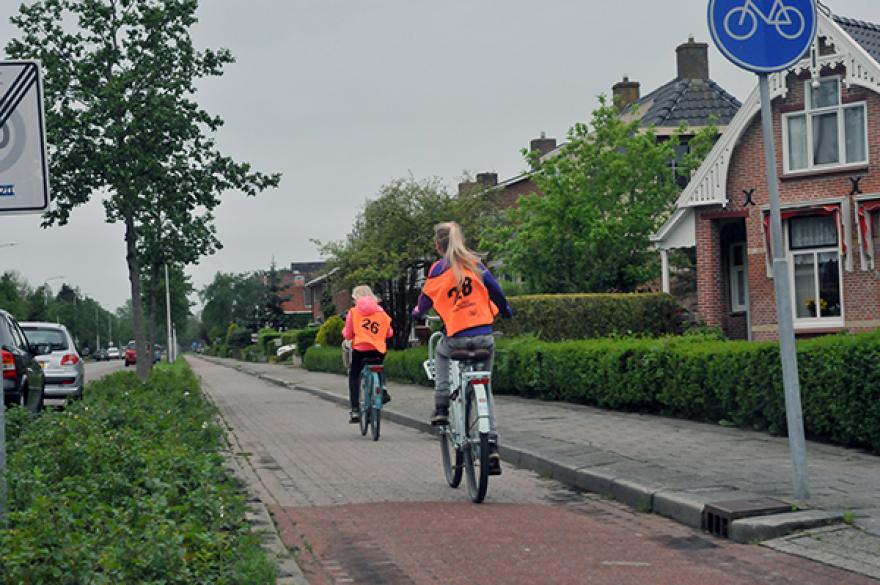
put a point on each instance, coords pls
(370, 329)
(460, 309)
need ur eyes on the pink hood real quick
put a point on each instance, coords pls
(367, 306)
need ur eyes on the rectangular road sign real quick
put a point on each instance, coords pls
(24, 169)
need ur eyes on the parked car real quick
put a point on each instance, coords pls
(100, 355)
(23, 379)
(113, 353)
(130, 356)
(63, 366)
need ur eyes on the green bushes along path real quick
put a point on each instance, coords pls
(737, 383)
(587, 316)
(126, 486)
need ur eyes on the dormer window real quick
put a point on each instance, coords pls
(828, 134)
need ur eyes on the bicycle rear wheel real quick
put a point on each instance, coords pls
(376, 405)
(364, 405)
(451, 458)
(476, 451)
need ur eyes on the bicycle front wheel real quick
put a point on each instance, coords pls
(451, 458)
(476, 451)
(364, 398)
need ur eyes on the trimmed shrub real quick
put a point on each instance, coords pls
(589, 316)
(237, 337)
(266, 338)
(324, 359)
(289, 337)
(695, 377)
(330, 333)
(305, 338)
(126, 486)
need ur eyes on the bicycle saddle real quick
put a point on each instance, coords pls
(471, 355)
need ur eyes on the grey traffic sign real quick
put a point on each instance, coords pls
(24, 171)
(763, 36)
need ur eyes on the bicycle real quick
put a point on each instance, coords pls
(785, 18)
(370, 391)
(467, 436)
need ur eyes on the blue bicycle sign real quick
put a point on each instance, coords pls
(763, 35)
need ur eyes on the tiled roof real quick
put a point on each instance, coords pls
(698, 102)
(864, 33)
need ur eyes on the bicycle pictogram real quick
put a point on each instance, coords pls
(741, 23)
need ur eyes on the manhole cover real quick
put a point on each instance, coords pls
(717, 516)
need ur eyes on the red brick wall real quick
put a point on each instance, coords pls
(861, 290)
(510, 193)
(294, 290)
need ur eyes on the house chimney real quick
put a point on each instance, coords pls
(483, 181)
(542, 145)
(625, 92)
(487, 179)
(693, 60)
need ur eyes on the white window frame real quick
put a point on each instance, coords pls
(807, 323)
(733, 271)
(809, 112)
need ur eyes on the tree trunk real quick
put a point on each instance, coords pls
(144, 362)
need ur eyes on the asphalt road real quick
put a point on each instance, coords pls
(381, 513)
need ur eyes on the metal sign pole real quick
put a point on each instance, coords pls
(784, 312)
(168, 314)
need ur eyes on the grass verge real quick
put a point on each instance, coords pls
(126, 486)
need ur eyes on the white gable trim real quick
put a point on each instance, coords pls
(708, 186)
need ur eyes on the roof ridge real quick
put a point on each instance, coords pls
(855, 22)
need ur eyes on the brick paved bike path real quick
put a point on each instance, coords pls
(663, 454)
(365, 512)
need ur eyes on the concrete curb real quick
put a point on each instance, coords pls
(682, 506)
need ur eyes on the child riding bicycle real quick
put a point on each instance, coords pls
(368, 328)
(467, 297)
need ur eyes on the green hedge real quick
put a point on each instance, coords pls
(126, 486)
(700, 378)
(305, 338)
(266, 338)
(588, 316)
(401, 366)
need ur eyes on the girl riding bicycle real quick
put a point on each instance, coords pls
(368, 327)
(467, 297)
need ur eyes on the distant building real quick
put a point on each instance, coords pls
(293, 286)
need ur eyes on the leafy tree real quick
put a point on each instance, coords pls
(273, 313)
(604, 194)
(230, 298)
(122, 123)
(392, 241)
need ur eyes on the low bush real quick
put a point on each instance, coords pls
(289, 337)
(588, 316)
(126, 486)
(266, 340)
(696, 377)
(330, 333)
(305, 338)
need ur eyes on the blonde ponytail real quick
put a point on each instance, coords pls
(459, 258)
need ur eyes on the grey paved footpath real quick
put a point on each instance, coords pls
(669, 466)
(365, 512)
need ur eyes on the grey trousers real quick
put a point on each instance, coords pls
(441, 364)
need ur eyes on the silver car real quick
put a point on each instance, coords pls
(63, 367)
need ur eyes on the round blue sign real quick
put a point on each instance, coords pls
(763, 35)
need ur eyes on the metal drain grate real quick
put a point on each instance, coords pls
(717, 516)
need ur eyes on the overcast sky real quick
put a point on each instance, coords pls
(342, 96)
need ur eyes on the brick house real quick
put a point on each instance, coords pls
(826, 116)
(322, 288)
(293, 287)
